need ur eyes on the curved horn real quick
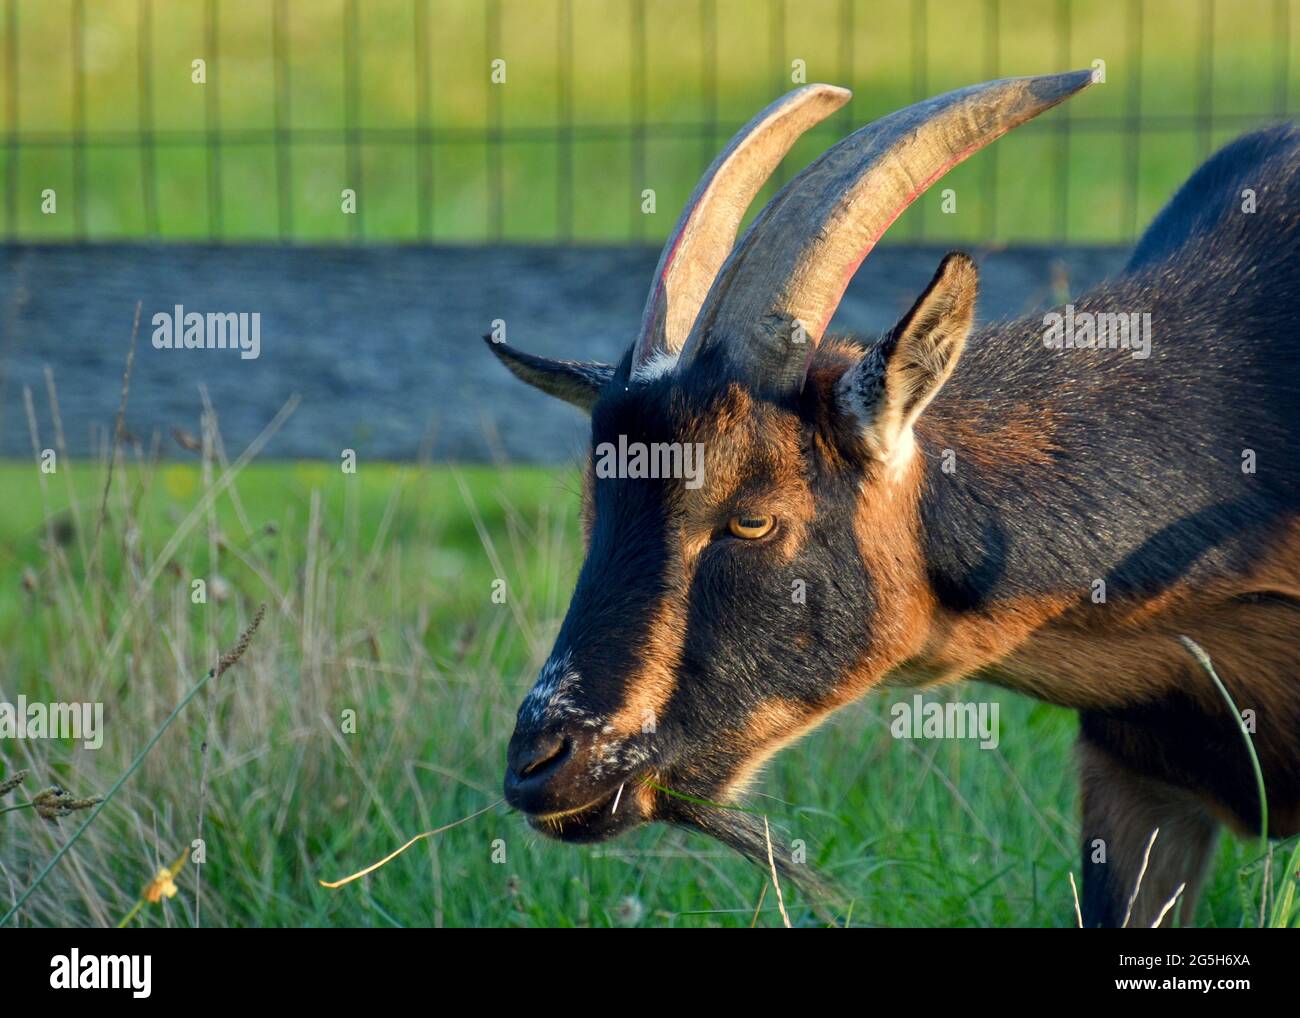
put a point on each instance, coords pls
(707, 228)
(776, 294)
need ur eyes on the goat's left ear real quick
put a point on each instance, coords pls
(888, 388)
(576, 382)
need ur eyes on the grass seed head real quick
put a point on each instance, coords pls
(231, 656)
(56, 802)
(13, 781)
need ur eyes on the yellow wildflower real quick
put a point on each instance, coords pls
(163, 886)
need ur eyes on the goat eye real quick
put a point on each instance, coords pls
(750, 525)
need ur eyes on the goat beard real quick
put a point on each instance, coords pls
(746, 833)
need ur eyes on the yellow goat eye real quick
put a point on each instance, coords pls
(751, 525)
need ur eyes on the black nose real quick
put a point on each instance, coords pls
(531, 759)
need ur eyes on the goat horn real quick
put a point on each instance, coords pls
(775, 295)
(707, 228)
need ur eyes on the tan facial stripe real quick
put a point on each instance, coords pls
(647, 692)
(736, 434)
(773, 718)
(774, 723)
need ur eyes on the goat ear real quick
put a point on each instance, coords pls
(888, 388)
(576, 382)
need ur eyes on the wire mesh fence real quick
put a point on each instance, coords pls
(562, 121)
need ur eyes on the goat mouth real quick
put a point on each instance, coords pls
(605, 817)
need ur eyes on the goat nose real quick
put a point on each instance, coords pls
(532, 758)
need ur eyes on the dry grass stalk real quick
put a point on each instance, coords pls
(771, 861)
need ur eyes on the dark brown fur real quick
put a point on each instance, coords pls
(951, 513)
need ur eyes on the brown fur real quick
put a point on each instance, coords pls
(1122, 811)
(648, 691)
(922, 583)
(775, 724)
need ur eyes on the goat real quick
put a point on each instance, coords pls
(950, 506)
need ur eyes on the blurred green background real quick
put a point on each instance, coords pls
(602, 99)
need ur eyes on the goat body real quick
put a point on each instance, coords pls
(1051, 515)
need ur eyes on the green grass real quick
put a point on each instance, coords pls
(217, 163)
(379, 591)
